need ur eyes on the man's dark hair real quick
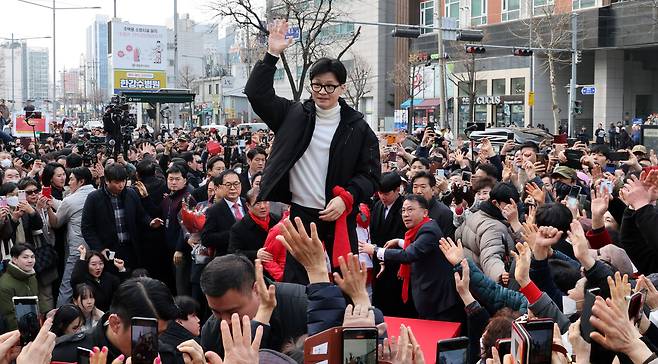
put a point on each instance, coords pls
(429, 176)
(504, 192)
(422, 160)
(83, 173)
(24, 182)
(7, 187)
(144, 297)
(252, 153)
(418, 198)
(146, 168)
(328, 65)
(49, 172)
(18, 249)
(556, 215)
(187, 305)
(177, 168)
(116, 172)
(211, 162)
(601, 149)
(73, 160)
(227, 272)
(530, 144)
(187, 156)
(489, 169)
(219, 180)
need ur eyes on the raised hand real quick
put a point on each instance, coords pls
(276, 41)
(308, 250)
(352, 279)
(538, 194)
(522, 267)
(619, 290)
(454, 253)
(267, 294)
(358, 316)
(462, 283)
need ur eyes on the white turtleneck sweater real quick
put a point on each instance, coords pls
(308, 177)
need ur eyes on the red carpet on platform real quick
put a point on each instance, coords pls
(427, 332)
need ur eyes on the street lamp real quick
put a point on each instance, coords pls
(13, 39)
(54, 8)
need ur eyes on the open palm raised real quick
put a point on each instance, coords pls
(277, 41)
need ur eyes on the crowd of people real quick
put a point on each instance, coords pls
(319, 223)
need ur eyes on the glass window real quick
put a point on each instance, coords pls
(427, 15)
(581, 4)
(511, 10)
(538, 4)
(478, 12)
(452, 10)
(463, 89)
(481, 87)
(217, 88)
(517, 86)
(210, 89)
(498, 87)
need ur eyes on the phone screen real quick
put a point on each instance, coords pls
(619, 156)
(3, 201)
(510, 136)
(504, 347)
(452, 351)
(27, 318)
(360, 346)
(466, 176)
(541, 340)
(83, 355)
(441, 173)
(574, 192)
(585, 325)
(635, 305)
(144, 340)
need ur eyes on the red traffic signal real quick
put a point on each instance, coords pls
(523, 52)
(474, 49)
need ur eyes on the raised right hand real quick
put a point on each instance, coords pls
(276, 41)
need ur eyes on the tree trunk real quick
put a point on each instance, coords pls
(551, 76)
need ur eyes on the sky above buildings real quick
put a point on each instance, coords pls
(26, 20)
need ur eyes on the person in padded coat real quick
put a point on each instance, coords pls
(90, 269)
(325, 157)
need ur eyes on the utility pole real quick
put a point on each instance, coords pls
(115, 9)
(572, 84)
(532, 70)
(13, 97)
(438, 21)
(176, 108)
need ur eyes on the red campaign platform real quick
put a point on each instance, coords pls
(427, 332)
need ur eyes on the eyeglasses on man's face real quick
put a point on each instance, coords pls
(229, 185)
(317, 87)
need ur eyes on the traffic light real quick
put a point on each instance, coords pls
(465, 35)
(577, 107)
(474, 49)
(405, 33)
(523, 52)
(579, 57)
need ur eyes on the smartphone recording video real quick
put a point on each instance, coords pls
(83, 355)
(541, 340)
(452, 351)
(360, 345)
(27, 318)
(585, 325)
(144, 340)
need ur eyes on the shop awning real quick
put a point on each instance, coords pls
(407, 103)
(429, 103)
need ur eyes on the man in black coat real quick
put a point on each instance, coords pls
(214, 167)
(385, 225)
(423, 184)
(112, 215)
(256, 158)
(324, 157)
(428, 273)
(249, 234)
(223, 214)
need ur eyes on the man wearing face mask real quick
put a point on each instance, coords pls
(5, 162)
(11, 175)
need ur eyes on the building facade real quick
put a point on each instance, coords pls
(616, 74)
(38, 75)
(96, 62)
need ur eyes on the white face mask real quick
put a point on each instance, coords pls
(13, 180)
(12, 201)
(5, 163)
(568, 306)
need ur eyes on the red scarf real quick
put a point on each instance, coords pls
(263, 223)
(405, 268)
(341, 237)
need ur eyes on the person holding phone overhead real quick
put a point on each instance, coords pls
(325, 157)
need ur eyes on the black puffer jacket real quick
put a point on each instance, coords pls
(353, 156)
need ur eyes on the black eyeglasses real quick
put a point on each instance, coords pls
(31, 192)
(327, 88)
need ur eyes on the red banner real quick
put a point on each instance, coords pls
(21, 128)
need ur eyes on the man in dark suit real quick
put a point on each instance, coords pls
(112, 216)
(423, 184)
(424, 269)
(386, 224)
(256, 160)
(248, 235)
(214, 167)
(223, 214)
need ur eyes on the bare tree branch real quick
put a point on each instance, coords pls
(357, 81)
